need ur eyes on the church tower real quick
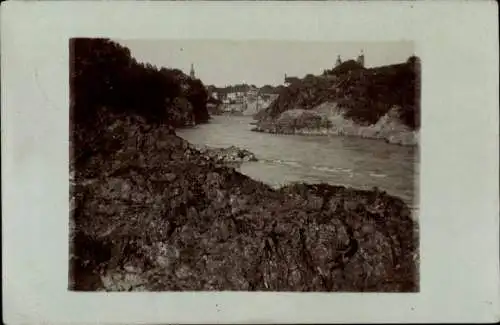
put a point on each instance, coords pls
(339, 61)
(191, 73)
(361, 58)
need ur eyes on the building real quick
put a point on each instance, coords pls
(361, 59)
(252, 93)
(339, 61)
(235, 97)
(191, 73)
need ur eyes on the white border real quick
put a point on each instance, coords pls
(457, 42)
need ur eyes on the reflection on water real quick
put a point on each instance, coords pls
(349, 161)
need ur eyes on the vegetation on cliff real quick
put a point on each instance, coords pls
(105, 79)
(364, 95)
(151, 212)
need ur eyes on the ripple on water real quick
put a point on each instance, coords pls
(352, 162)
(377, 175)
(332, 169)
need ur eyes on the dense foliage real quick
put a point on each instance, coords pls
(106, 79)
(349, 65)
(365, 94)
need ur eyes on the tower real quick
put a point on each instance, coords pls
(361, 59)
(191, 73)
(339, 61)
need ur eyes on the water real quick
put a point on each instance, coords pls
(354, 162)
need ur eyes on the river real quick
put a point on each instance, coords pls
(350, 161)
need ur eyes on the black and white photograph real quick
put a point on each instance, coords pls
(255, 162)
(253, 166)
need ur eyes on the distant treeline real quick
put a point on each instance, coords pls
(105, 79)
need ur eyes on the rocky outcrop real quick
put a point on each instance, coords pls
(156, 214)
(329, 119)
(293, 122)
(231, 155)
(366, 100)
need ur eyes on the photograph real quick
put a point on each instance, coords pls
(244, 165)
(250, 162)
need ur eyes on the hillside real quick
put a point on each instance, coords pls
(151, 212)
(362, 95)
(106, 79)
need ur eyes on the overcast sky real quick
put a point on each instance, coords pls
(260, 62)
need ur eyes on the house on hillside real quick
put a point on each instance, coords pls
(252, 94)
(233, 96)
(346, 65)
(236, 97)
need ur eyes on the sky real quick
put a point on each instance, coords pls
(256, 62)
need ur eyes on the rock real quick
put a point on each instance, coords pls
(170, 177)
(212, 228)
(229, 155)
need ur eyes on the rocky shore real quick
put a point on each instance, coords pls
(333, 122)
(157, 214)
(410, 138)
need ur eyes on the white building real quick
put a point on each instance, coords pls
(252, 93)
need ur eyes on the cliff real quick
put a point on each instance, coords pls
(366, 99)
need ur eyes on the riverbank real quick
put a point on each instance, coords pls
(328, 120)
(159, 215)
(410, 138)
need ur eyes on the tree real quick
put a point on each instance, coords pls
(197, 95)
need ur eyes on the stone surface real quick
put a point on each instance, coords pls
(212, 228)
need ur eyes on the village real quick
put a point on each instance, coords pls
(240, 102)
